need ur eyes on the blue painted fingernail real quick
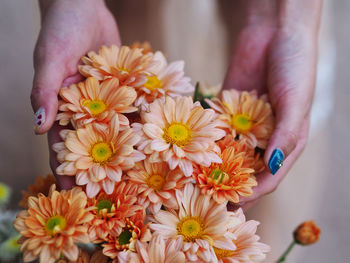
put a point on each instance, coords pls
(276, 160)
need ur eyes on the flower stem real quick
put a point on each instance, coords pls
(285, 254)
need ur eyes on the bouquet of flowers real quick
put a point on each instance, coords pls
(154, 168)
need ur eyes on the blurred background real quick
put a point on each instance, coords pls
(199, 31)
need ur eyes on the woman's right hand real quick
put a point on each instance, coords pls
(69, 30)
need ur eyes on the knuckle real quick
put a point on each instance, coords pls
(291, 137)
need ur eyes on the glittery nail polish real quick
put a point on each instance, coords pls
(276, 161)
(39, 118)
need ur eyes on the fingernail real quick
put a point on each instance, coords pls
(276, 161)
(39, 118)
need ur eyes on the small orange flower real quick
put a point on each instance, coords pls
(111, 210)
(97, 156)
(230, 179)
(53, 225)
(307, 233)
(125, 239)
(157, 184)
(88, 102)
(42, 185)
(129, 66)
(245, 115)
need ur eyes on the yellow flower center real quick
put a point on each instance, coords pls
(155, 181)
(101, 152)
(223, 253)
(153, 83)
(95, 106)
(191, 228)
(242, 123)
(55, 225)
(124, 237)
(104, 204)
(177, 133)
(219, 176)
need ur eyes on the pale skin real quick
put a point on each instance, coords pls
(276, 53)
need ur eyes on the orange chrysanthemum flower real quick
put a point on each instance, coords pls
(111, 210)
(128, 65)
(84, 257)
(96, 156)
(42, 185)
(164, 80)
(125, 239)
(246, 115)
(89, 102)
(180, 133)
(53, 225)
(230, 179)
(248, 248)
(157, 184)
(253, 159)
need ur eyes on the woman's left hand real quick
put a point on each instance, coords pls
(276, 53)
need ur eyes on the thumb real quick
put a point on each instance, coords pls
(48, 78)
(289, 119)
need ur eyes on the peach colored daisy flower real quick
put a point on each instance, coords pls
(53, 225)
(128, 65)
(97, 157)
(111, 210)
(158, 250)
(125, 239)
(230, 179)
(165, 80)
(200, 222)
(157, 184)
(179, 132)
(246, 115)
(248, 248)
(42, 185)
(90, 101)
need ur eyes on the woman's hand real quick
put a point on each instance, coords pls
(276, 53)
(69, 30)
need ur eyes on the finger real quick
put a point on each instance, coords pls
(48, 78)
(291, 83)
(289, 119)
(64, 181)
(267, 182)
